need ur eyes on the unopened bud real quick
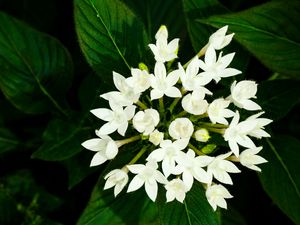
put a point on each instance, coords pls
(202, 135)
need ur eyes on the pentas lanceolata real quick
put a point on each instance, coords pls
(176, 119)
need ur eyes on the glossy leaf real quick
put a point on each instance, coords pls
(280, 175)
(195, 210)
(110, 35)
(278, 97)
(36, 70)
(199, 9)
(62, 139)
(270, 32)
(8, 141)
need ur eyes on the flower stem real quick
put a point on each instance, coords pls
(142, 105)
(195, 149)
(128, 140)
(212, 125)
(174, 103)
(161, 105)
(215, 130)
(140, 153)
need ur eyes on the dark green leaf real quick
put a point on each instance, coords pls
(36, 70)
(110, 35)
(270, 32)
(232, 217)
(8, 141)
(62, 139)
(277, 97)
(280, 176)
(199, 9)
(195, 210)
(154, 13)
(8, 209)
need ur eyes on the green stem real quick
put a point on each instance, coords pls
(128, 140)
(195, 149)
(140, 153)
(174, 103)
(141, 105)
(212, 125)
(182, 113)
(215, 130)
(161, 105)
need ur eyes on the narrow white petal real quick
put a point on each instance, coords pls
(95, 144)
(122, 128)
(136, 168)
(173, 92)
(156, 94)
(151, 190)
(173, 77)
(111, 150)
(108, 128)
(251, 105)
(98, 159)
(135, 184)
(103, 114)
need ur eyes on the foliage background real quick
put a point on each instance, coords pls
(44, 173)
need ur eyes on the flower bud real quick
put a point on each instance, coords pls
(202, 135)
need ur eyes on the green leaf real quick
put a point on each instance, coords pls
(111, 37)
(36, 70)
(199, 9)
(195, 210)
(62, 140)
(155, 13)
(8, 209)
(270, 32)
(278, 97)
(8, 140)
(231, 216)
(280, 176)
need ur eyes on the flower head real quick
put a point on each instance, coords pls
(181, 128)
(164, 51)
(117, 178)
(250, 159)
(219, 39)
(241, 93)
(146, 121)
(139, 80)
(216, 195)
(194, 103)
(176, 189)
(217, 111)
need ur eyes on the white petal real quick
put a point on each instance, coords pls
(95, 144)
(173, 92)
(250, 105)
(136, 168)
(122, 128)
(111, 150)
(135, 184)
(210, 56)
(98, 159)
(118, 81)
(108, 128)
(188, 180)
(156, 94)
(173, 77)
(103, 114)
(173, 45)
(151, 190)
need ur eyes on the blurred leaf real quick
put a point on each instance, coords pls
(278, 97)
(280, 176)
(231, 216)
(8, 140)
(195, 210)
(78, 167)
(8, 210)
(155, 13)
(199, 9)
(36, 69)
(110, 35)
(270, 32)
(62, 139)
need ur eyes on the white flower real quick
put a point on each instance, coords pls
(117, 178)
(181, 128)
(202, 135)
(148, 175)
(220, 167)
(241, 93)
(219, 39)
(236, 134)
(258, 130)
(176, 189)
(139, 81)
(217, 69)
(191, 167)
(164, 51)
(167, 153)
(156, 137)
(117, 118)
(105, 147)
(194, 103)
(125, 96)
(217, 111)
(216, 195)
(146, 121)
(190, 78)
(163, 84)
(250, 159)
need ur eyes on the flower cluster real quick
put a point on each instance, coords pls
(175, 119)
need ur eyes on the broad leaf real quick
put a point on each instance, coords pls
(62, 139)
(199, 9)
(194, 211)
(277, 97)
(8, 141)
(280, 176)
(270, 32)
(36, 70)
(110, 35)
(231, 216)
